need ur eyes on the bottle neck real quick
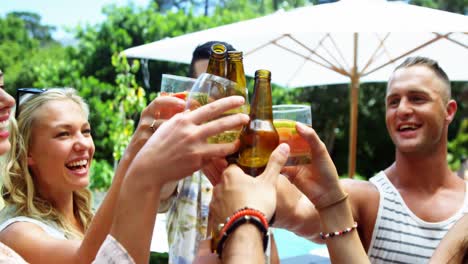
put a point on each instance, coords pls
(236, 73)
(217, 66)
(261, 107)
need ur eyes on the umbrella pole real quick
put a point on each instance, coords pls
(353, 125)
(354, 96)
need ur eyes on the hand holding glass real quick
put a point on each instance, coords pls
(177, 86)
(284, 120)
(208, 88)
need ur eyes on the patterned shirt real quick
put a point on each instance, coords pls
(187, 218)
(400, 236)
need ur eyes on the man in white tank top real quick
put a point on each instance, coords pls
(405, 210)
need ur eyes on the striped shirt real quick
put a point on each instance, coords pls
(400, 236)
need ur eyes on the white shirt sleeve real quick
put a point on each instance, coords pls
(112, 251)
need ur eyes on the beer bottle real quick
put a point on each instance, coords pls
(259, 137)
(235, 72)
(217, 62)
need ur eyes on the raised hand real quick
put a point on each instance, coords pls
(238, 190)
(179, 146)
(316, 179)
(158, 111)
(214, 168)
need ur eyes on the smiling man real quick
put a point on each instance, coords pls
(419, 196)
(404, 211)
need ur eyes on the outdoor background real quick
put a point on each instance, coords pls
(34, 53)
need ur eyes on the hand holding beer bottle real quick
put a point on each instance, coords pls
(212, 86)
(258, 138)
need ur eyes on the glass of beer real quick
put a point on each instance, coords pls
(208, 88)
(284, 120)
(177, 86)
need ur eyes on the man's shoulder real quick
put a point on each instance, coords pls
(359, 187)
(363, 195)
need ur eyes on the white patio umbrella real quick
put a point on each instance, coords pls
(351, 41)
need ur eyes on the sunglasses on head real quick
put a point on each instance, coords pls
(22, 91)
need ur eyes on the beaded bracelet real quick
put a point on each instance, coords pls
(238, 222)
(338, 233)
(242, 212)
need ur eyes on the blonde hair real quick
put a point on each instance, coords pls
(18, 188)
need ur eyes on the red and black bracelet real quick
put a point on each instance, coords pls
(242, 216)
(242, 212)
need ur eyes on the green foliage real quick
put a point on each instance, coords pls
(456, 6)
(112, 86)
(32, 23)
(13, 28)
(16, 47)
(458, 147)
(356, 177)
(101, 175)
(425, 3)
(158, 258)
(129, 100)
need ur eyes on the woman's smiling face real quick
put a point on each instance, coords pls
(61, 147)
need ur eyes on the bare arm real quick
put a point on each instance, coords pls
(454, 246)
(177, 149)
(238, 190)
(164, 107)
(295, 212)
(245, 244)
(346, 248)
(319, 182)
(37, 247)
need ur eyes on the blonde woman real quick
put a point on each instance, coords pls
(7, 102)
(47, 204)
(48, 217)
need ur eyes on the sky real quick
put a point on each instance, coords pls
(61, 13)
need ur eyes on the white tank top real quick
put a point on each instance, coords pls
(49, 229)
(400, 236)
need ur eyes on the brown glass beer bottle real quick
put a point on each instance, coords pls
(259, 137)
(217, 62)
(235, 72)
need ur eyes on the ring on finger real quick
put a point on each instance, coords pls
(153, 125)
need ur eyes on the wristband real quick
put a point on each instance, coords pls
(338, 233)
(330, 198)
(238, 222)
(242, 216)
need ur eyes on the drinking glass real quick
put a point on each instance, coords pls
(177, 86)
(284, 120)
(209, 88)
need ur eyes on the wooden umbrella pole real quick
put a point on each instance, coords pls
(354, 97)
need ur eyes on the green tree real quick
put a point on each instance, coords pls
(24, 43)
(112, 86)
(36, 30)
(458, 147)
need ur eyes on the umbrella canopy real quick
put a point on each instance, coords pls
(350, 41)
